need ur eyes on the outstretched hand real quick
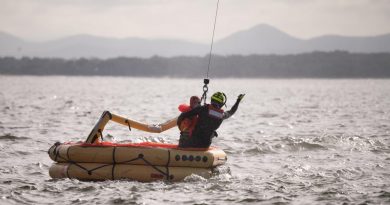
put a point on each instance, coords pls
(240, 97)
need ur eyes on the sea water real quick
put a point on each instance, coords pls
(292, 141)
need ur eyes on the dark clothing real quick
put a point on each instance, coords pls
(209, 120)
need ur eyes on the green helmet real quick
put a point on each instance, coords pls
(218, 98)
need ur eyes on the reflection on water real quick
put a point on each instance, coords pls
(291, 141)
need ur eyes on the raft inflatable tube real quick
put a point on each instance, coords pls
(98, 172)
(146, 153)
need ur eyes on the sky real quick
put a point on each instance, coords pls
(191, 20)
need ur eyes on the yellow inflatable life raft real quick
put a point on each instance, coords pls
(145, 153)
(147, 161)
(95, 171)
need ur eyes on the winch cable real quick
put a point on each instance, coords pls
(207, 80)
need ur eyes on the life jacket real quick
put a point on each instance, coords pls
(188, 124)
(214, 112)
(184, 108)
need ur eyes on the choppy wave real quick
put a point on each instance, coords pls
(299, 142)
(302, 146)
(10, 137)
(260, 149)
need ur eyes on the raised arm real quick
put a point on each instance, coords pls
(107, 116)
(190, 113)
(231, 112)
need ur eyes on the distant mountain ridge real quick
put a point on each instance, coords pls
(265, 39)
(261, 39)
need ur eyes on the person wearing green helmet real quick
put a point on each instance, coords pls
(210, 117)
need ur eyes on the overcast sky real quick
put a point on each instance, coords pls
(41, 20)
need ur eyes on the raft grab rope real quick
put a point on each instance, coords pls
(139, 157)
(128, 123)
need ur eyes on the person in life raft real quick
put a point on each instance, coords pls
(198, 124)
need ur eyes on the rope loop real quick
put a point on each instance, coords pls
(128, 123)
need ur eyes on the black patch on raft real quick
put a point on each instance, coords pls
(177, 157)
(198, 158)
(184, 157)
(204, 159)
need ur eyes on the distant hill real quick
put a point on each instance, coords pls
(261, 39)
(97, 47)
(373, 44)
(265, 39)
(9, 44)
